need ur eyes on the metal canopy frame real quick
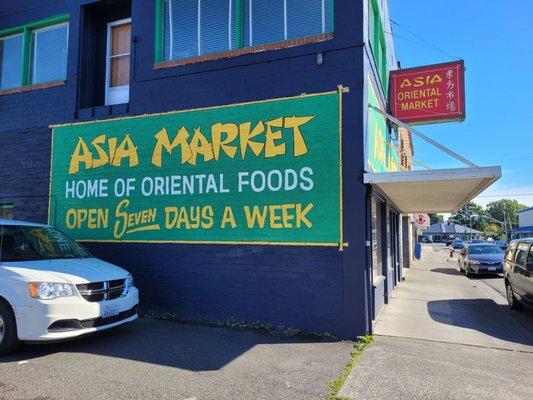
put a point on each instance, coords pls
(424, 137)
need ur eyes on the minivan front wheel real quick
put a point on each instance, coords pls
(8, 330)
(511, 299)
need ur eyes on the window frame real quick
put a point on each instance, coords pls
(26, 30)
(32, 68)
(108, 88)
(238, 47)
(520, 246)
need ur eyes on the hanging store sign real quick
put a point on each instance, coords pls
(428, 94)
(264, 172)
(422, 221)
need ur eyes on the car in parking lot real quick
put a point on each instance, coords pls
(449, 240)
(458, 244)
(518, 273)
(477, 241)
(51, 288)
(481, 258)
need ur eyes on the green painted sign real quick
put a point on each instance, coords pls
(382, 154)
(264, 172)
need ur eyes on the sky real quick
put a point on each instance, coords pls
(495, 39)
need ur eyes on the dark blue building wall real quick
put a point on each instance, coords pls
(310, 288)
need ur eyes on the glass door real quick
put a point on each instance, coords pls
(118, 62)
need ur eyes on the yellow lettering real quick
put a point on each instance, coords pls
(271, 149)
(81, 154)
(228, 218)
(246, 138)
(301, 215)
(231, 131)
(126, 149)
(162, 142)
(255, 216)
(300, 148)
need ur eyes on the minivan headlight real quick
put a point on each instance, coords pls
(50, 290)
(474, 262)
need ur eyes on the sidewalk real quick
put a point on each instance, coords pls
(445, 336)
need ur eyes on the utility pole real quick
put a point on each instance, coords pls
(505, 226)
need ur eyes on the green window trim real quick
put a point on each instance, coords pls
(159, 29)
(158, 36)
(239, 27)
(378, 46)
(26, 31)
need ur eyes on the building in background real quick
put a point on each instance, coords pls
(525, 224)
(219, 151)
(441, 231)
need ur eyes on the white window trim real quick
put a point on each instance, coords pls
(34, 48)
(108, 58)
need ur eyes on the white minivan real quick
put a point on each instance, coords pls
(51, 288)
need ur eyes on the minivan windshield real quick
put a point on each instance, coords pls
(491, 249)
(30, 243)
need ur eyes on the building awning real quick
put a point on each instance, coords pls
(433, 191)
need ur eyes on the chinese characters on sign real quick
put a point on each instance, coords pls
(429, 94)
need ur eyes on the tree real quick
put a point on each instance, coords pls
(434, 218)
(495, 230)
(505, 210)
(465, 216)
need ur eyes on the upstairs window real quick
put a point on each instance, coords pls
(198, 27)
(34, 53)
(195, 27)
(10, 61)
(49, 54)
(268, 21)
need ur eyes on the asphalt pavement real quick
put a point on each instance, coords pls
(152, 359)
(446, 336)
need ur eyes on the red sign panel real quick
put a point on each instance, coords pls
(429, 94)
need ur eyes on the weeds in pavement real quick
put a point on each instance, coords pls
(336, 384)
(232, 323)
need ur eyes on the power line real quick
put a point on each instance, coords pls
(424, 40)
(507, 194)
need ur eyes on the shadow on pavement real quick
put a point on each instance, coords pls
(172, 344)
(447, 271)
(483, 315)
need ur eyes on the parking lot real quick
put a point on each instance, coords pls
(168, 360)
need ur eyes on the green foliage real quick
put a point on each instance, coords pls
(434, 218)
(467, 216)
(336, 384)
(505, 210)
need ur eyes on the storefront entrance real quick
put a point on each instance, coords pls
(385, 249)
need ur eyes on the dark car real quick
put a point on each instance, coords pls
(458, 244)
(481, 258)
(518, 273)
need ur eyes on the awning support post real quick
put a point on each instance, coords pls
(424, 137)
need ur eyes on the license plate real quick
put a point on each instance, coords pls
(492, 268)
(110, 310)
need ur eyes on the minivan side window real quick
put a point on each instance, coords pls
(521, 253)
(510, 252)
(530, 257)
